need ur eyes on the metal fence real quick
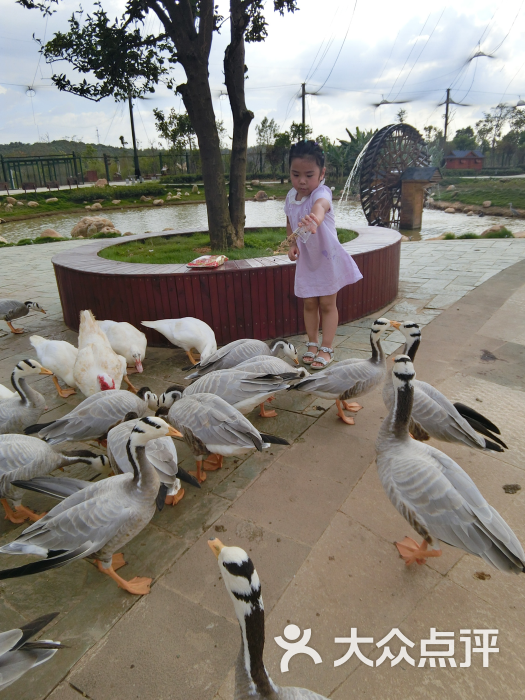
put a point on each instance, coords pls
(40, 171)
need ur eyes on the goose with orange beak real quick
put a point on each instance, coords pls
(26, 407)
(349, 379)
(98, 519)
(252, 681)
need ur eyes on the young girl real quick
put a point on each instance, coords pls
(323, 265)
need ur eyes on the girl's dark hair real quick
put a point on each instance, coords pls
(307, 149)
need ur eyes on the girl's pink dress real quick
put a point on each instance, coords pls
(323, 266)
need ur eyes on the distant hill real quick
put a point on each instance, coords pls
(63, 146)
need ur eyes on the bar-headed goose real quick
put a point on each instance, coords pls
(242, 582)
(60, 357)
(210, 426)
(96, 415)
(433, 493)
(162, 454)
(23, 457)
(242, 389)
(26, 407)
(268, 364)
(128, 341)
(187, 333)
(351, 378)
(238, 351)
(99, 519)
(11, 309)
(433, 415)
(19, 655)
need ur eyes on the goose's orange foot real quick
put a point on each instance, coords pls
(137, 586)
(411, 552)
(175, 498)
(63, 393)
(352, 406)
(200, 475)
(11, 515)
(13, 329)
(267, 414)
(213, 463)
(28, 513)
(117, 561)
(345, 419)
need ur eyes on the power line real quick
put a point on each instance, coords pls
(310, 74)
(409, 54)
(507, 34)
(339, 53)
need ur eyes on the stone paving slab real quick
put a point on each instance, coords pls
(290, 507)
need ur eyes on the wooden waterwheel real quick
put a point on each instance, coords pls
(389, 153)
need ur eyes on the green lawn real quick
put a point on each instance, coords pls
(185, 248)
(477, 191)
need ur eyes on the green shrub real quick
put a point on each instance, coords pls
(468, 235)
(49, 239)
(449, 237)
(505, 233)
(25, 241)
(103, 234)
(89, 194)
(181, 179)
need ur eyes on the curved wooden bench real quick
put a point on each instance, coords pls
(251, 298)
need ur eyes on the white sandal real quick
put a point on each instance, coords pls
(324, 362)
(310, 356)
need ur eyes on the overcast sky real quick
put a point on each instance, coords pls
(396, 49)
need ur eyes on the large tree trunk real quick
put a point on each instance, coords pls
(193, 53)
(197, 100)
(234, 70)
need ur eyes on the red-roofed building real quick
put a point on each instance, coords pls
(464, 160)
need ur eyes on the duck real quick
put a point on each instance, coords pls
(161, 453)
(128, 341)
(97, 366)
(433, 415)
(244, 390)
(23, 457)
(25, 407)
(11, 309)
(60, 356)
(210, 426)
(238, 351)
(18, 655)
(351, 378)
(252, 681)
(187, 333)
(99, 519)
(95, 416)
(6, 393)
(433, 493)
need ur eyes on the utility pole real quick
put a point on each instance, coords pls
(303, 99)
(135, 153)
(447, 102)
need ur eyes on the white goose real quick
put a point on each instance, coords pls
(60, 357)
(19, 655)
(23, 457)
(95, 416)
(187, 333)
(99, 519)
(128, 341)
(238, 351)
(161, 453)
(210, 426)
(433, 493)
(26, 407)
(351, 378)
(97, 367)
(433, 415)
(242, 582)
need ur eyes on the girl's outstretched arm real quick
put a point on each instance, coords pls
(312, 220)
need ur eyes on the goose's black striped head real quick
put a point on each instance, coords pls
(289, 349)
(149, 428)
(148, 397)
(410, 330)
(403, 371)
(27, 367)
(379, 326)
(34, 306)
(172, 394)
(239, 576)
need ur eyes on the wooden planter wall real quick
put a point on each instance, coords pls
(242, 299)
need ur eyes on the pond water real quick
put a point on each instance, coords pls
(268, 213)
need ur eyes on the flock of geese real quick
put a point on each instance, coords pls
(95, 520)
